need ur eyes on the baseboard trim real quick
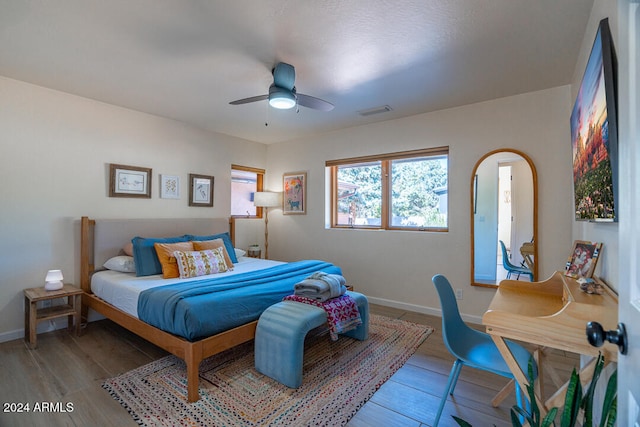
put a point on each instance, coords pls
(45, 326)
(420, 309)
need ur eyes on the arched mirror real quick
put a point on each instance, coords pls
(504, 208)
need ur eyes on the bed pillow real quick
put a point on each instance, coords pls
(214, 244)
(226, 238)
(121, 263)
(128, 249)
(168, 260)
(200, 263)
(239, 252)
(144, 253)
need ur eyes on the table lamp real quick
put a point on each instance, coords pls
(53, 280)
(266, 200)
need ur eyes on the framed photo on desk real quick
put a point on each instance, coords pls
(583, 259)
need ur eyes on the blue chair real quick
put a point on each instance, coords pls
(472, 348)
(510, 267)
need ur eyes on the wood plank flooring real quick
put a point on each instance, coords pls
(69, 369)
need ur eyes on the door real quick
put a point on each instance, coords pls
(629, 229)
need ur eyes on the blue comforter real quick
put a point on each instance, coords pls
(202, 308)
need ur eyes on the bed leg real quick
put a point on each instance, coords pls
(193, 380)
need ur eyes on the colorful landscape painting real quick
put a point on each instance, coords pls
(592, 160)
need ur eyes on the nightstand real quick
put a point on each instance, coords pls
(254, 253)
(33, 315)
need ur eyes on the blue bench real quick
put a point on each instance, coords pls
(280, 334)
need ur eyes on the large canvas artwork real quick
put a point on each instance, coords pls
(594, 135)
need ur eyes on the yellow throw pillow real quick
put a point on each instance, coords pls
(167, 258)
(214, 244)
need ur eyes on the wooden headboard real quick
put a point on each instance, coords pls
(101, 239)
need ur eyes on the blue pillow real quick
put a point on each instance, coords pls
(145, 256)
(226, 238)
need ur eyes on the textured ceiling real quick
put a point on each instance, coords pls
(187, 59)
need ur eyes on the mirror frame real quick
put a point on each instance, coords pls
(535, 211)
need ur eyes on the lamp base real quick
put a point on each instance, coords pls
(53, 286)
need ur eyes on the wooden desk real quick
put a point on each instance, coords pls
(526, 250)
(554, 314)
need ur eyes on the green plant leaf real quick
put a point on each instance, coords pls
(549, 418)
(612, 414)
(572, 401)
(461, 422)
(610, 401)
(587, 400)
(535, 411)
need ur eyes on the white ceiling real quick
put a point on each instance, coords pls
(187, 59)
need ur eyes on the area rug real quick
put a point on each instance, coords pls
(338, 378)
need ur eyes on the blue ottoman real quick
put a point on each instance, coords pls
(280, 334)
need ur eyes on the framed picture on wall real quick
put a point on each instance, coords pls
(294, 196)
(583, 259)
(129, 181)
(200, 190)
(169, 187)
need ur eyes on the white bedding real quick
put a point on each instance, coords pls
(122, 289)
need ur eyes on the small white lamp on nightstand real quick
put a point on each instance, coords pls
(266, 200)
(53, 281)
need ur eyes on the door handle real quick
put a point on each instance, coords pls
(596, 335)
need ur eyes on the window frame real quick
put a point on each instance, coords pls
(259, 187)
(385, 161)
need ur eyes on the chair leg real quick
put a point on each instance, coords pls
(458, 364)
(453, 377)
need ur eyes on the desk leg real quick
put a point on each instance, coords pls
(515, 369)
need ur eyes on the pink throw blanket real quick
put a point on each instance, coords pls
(342, 313)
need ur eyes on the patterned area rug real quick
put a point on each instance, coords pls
(338, 378)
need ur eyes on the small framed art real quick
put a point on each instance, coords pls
(294, 198)
(200, 190)
(169, 187)
(583, 259)
(129, 181)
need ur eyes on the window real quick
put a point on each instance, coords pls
(245, 181)
(404, 190)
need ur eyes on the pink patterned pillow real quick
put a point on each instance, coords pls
(201, 263)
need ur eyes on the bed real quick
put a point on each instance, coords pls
(249, 289)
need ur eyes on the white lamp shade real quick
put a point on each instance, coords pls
(266, 199)
(53, 280)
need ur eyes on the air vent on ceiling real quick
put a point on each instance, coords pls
(375, 110)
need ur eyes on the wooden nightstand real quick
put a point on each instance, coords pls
(33, 315)
(254, 253)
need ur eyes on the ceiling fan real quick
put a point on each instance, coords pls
(283, 94)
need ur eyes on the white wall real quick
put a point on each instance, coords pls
(395, 267)
(55, 149)
(54, 155)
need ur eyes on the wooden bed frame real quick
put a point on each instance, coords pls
(191, 352)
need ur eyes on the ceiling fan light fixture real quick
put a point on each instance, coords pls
(281, 98)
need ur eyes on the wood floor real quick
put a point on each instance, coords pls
(65, 369)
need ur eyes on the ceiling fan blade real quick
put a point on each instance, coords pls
(248, 100)
(313, 102)
(284, 75)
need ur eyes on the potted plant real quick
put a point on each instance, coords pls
(574, 401)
